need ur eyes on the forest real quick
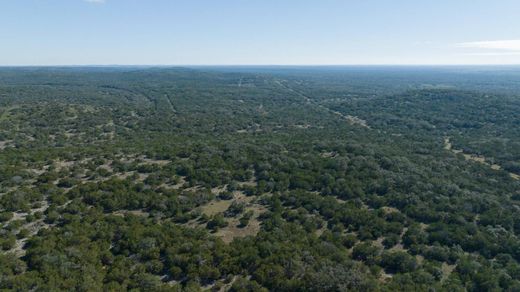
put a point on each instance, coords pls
(260, 179)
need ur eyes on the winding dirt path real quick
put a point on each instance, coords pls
(480, 159)
(350, 119)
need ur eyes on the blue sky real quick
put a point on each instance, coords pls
(264, 32)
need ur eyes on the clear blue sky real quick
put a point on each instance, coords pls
(209, 32)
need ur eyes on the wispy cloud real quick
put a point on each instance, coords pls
(514, 53)
(502, 45)
(95, 1)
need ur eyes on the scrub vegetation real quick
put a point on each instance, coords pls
(257, 179)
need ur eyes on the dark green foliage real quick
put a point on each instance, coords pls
(398, 262)
(107, 176)
(244, 220)
(243, 285)
(366, 252)
(5, 216)
(391, 240)
(225, 196)
(7, 241)
(235, 209)
(216, 222)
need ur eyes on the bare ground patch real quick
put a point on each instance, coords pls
(477, 158)
(215, 207)
(447, 270)
(123, 213)
(5, 144)
(233, 230)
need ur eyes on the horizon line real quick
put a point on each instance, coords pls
(261, 65)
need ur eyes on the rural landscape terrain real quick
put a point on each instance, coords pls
(260, 178)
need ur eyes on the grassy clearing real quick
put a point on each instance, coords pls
(233, 230)
(216, 207)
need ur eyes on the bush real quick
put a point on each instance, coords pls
(52, 217)
(349, 240)
(6, 216)
(234, 209)
(244, 285)
(8, 242)
(216, 222)
(244, 220)
(23, 233)
(398, 262)
(67, 183)
(391, 240)
(366, 252)
(225, 196)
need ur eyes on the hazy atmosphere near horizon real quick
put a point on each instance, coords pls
(260, 145)
(267, 32)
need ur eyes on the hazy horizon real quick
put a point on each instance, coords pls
(281, 66)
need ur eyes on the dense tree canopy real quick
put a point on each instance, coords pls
(263, 179)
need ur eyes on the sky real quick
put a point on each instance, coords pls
(259, 32)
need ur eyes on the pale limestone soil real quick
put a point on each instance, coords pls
(480, 159)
